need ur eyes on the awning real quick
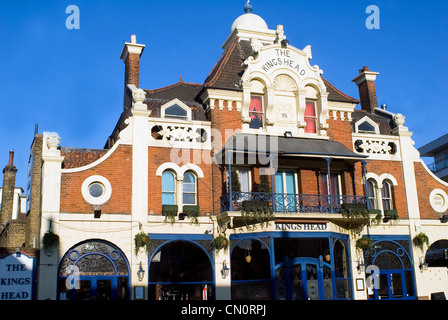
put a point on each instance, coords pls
(277, 145)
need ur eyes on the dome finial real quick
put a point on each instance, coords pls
(248, 7)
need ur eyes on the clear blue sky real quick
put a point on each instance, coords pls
(71, 81)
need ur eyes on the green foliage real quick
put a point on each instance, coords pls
(169, 211)
(356, 216)
(192, 213)
(50, 240)
(364, 243)
(420, 240)
(256, 211)
(221, 242)
(236, 185)
(141, 240)
(264, 184)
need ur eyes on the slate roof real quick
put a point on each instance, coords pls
(385, 122)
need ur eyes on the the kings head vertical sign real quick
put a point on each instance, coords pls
(17, 273)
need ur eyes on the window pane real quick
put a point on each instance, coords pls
(189, 177)
(256, 112)
(168, 181)
(176, 111)
(189, 198)
(168, 198)
(310, 117)
(366, 127)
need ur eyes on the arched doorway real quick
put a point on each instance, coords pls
(389, 275)
(93, 270)
(180, 270)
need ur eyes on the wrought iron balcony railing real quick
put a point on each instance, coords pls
(281, 202)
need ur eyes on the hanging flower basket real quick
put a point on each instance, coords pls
(50, 240)
(420, 240)
(141, 240)
(221, 242)
(364, 243)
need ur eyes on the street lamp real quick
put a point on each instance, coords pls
(140, 272)
(224, 270)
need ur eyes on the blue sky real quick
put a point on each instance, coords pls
(71, 80)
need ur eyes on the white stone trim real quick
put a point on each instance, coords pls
(440, 208)
(370, 121)
(172, 103)
(96, 200)
(180, 170)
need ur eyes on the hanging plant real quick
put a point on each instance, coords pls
(356, 216)
(221, 242)
(50, 240)
(420, 240)
(141, 240)
(364, 243)
(256, 211)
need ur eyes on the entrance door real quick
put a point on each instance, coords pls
(303, 279)
(285, 190)
(95, 288)
(392, 285)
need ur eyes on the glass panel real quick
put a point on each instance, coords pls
(383, 290)
(290, 200)
(311, 281)
(256, 112)
(296, 282)
(310, 117)
(342, 288)
(409, 283)
(259, 266)
(168, 188)
(180, 291)
(328, 283)
(256, 290)
(386, 195)
(103, 289)
(397, 286)
(96, 190)
(189, 198)
(366, 127)
(175, 111)
(84, 291)
(371, 194)
(95, 264)
(243, 175)
(122, 289)
(280, 283)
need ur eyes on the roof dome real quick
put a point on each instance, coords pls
(249, 19)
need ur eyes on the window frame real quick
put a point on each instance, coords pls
(314, 117)
(195, 192)
(174, 193)
(387, 185)
(261, 97)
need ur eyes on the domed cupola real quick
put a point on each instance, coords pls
(248, 19)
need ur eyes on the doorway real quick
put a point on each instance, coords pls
(303, 279)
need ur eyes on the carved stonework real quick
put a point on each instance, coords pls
(138, 96)
(53, 141)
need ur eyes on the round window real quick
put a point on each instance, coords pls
(96, 189)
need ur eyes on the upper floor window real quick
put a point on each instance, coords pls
(168, 187)
(176, 111)
(367, 125)
(386, 195)
(189, 189)
(256, 112)
(371, 194)
(310, 117)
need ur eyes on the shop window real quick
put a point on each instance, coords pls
(189, 189)
(180, 270)
(386, 195)
(256, 112)
(310, 117)
(168, 188)
(250, 267)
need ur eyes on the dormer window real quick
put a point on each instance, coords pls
(175, 109)
(256, 112)
(366, 125)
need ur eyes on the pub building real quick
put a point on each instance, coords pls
(263, 182)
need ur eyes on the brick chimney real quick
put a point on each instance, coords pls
(366, 86)
(131, 57)
(9, 182)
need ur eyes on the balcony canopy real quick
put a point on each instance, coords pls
(275, 145)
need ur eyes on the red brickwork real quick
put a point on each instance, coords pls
(117, 169)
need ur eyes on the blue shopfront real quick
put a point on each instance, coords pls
(291, 264)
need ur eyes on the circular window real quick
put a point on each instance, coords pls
(96, 190)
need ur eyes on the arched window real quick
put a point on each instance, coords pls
(189, 189)
(310, 117)
(386, 195)
(371, 194)
(168, 187)
(256, 108)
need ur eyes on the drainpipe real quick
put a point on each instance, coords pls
(229, 158)
(328, 160)
(364, 173)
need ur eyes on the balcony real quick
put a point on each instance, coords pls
(291, 203)
(438, 165)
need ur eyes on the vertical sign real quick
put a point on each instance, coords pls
(16, 277)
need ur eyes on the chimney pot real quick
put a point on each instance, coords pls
(133, 38)
(11, 158)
